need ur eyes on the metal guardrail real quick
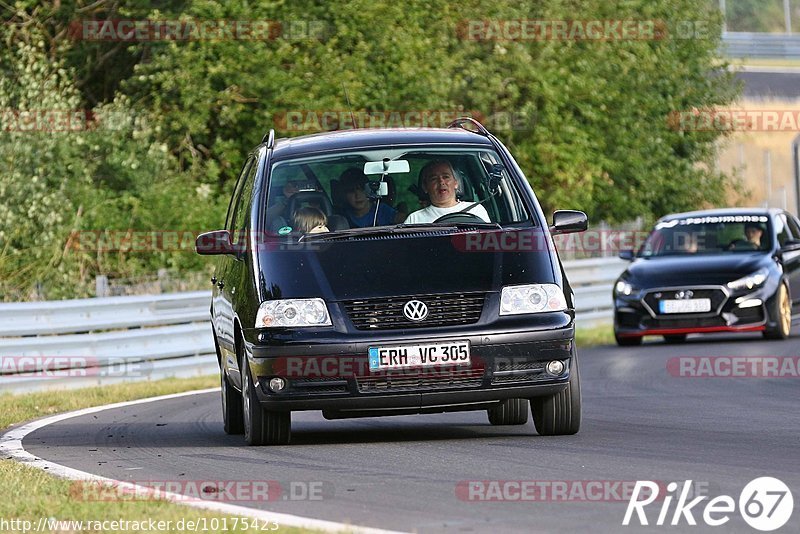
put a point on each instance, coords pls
(761, 45)
(77, 343)
(592, 281)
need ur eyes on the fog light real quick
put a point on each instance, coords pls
(555, 367)
(277, 384)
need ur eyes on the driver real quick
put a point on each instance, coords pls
(752, 232)
(439, 182)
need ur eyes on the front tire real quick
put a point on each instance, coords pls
(560, 414)
(262, 427)
(232, 407)
(509, 412)
(780, 311)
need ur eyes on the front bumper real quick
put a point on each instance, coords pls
(333, 375)
(637, 315)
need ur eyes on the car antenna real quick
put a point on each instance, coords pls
(350, 107)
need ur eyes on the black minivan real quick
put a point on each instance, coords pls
(376, 272)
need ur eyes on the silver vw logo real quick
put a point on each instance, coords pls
(415, 310)
(684, 295)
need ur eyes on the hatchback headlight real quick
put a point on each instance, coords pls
(292, 312)
(533, 298)
(750, 281)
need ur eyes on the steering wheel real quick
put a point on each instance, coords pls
(459, 216)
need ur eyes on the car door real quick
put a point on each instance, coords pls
(236, 275)
(790, 254)
(223, 310)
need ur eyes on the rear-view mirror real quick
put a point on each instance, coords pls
(386, 166)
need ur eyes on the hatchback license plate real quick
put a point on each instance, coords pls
(685, 306)
(402, 356)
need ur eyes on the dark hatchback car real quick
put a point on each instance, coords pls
(405, 308)
(725, 270)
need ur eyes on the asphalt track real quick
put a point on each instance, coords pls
(402, 473)
(770, 83)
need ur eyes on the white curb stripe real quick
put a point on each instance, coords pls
(11, 444)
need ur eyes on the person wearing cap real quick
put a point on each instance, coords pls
(439, 182)
(360, 209)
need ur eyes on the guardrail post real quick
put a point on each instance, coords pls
(101, 286)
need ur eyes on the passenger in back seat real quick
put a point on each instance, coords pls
(360, 209)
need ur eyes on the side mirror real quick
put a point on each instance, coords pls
(569, 221)
(214, 243)
(626, 255)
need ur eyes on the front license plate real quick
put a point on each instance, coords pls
(685, 306)
(401, 356)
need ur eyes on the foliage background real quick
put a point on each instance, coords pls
(177, 118)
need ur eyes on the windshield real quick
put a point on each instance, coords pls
(708, 235)
(332, 192)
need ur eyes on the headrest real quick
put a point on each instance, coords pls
(317, 199)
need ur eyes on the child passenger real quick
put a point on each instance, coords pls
(309, 220)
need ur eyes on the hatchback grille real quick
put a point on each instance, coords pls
(443, 310)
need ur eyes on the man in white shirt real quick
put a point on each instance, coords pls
(439, 181)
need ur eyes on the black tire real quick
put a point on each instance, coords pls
(627, 341)
(673, 339)
(232, 407)
(780, 311)
(262, 427)
(560, 414)
(509, 412)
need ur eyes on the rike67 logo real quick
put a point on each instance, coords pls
(765, 504)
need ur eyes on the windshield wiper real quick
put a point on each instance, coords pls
(375, 230)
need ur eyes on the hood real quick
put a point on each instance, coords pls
(398, 265)
(701, 269)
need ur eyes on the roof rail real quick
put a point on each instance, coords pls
(269, 138)
(459, 123)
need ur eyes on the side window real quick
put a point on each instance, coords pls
(781, 229)
(243, 204)
(237, 193)
(794, 226)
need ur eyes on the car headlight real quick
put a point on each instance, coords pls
(533, 298)
(623, 287)
(292, 312)
(750, 281)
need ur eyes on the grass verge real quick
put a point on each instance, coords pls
(30, 494)
(595, 335)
